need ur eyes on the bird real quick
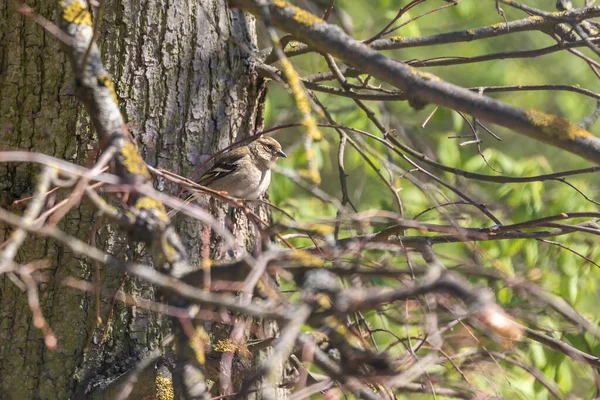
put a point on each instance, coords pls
(245, 172)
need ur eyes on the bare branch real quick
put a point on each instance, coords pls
(424, 87)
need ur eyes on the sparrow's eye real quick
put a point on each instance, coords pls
(271, 147)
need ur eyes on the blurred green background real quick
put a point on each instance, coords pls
(556, 269)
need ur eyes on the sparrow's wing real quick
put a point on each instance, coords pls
(225, 165)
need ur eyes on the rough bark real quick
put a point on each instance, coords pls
(186, 89)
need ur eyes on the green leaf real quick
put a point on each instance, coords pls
(568, 288)
(531, 253)
(466, 9)
(457, 122)
(567, 263)
(538, 355)
(477, 163)
(412, 29)
(540, 390)
(564, 377)
(505, 295)
(385, 5)
(448, 152)
(550, 371)
(548, 323)
(268, 110)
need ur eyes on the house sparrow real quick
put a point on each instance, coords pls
(244, 172)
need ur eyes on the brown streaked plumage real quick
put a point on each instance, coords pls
(244, 172)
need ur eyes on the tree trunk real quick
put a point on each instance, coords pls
(186, 87)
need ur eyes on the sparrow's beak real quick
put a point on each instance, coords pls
(281, 154)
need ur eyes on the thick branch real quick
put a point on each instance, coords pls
(468, 35)
(425, 87)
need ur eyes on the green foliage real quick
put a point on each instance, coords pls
(560, 269)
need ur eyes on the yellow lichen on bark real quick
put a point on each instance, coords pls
(225, 346)
(301, 99)
(305, 18)
(133, 161)
(334, 324)
(266, 290)
(291, 45)
(148, 203)
(319, 337)
(559, 13)
(77, 13)
(321, 229)
(301, 16)
(425, 75)
(167, 247)
(197, 344)
(324, 301)
(206, 264)
(554, 127)
(164, 388)
(307, 259)
(107, 82)
(310, 174)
